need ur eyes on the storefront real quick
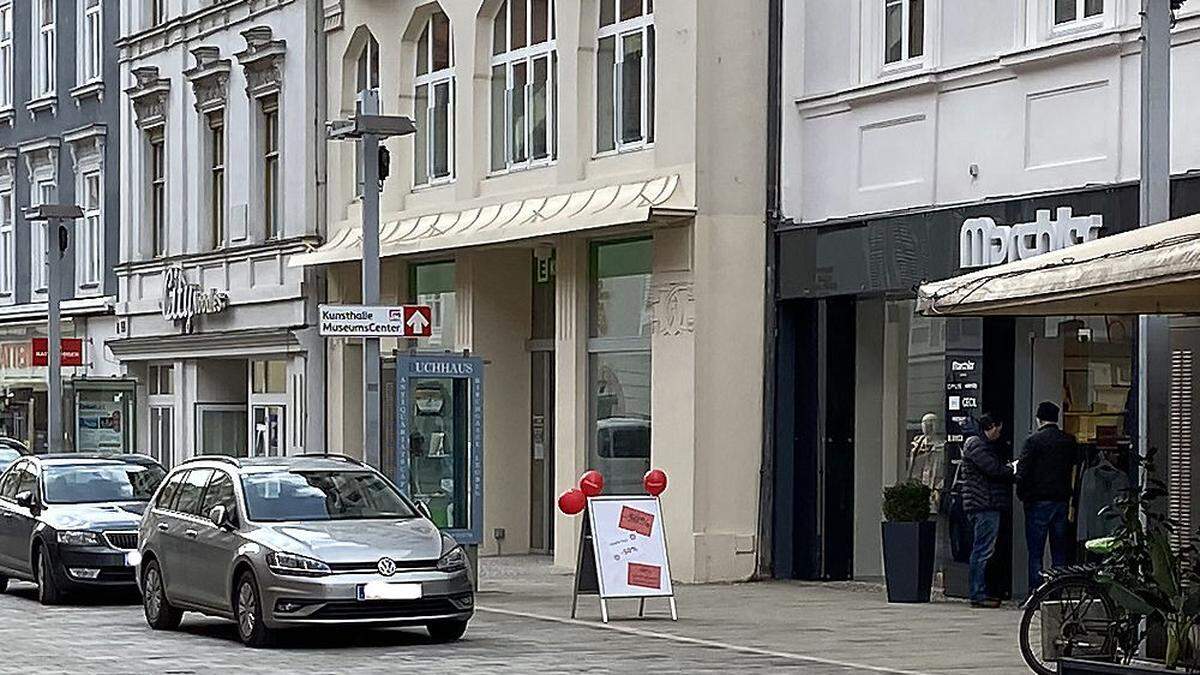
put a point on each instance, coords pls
(869, 392)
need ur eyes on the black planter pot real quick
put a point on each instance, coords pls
(1082, 667)
(908, 560)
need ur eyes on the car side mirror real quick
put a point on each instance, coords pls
(25, 499)
(220, 517)
(423, 509)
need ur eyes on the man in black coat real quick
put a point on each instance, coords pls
(984, 479)
(1044, 475)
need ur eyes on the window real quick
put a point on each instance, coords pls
(272, 220)
(89, 248)
(625, 75)
(524, 87)
(367, 79)
(6, 54)
(218, 493)
(619, 362)
(216, 177)
(433, 284)
(167, 494)
(43, 192)
(1067, 11)
(268, 377)
(158, 193)
(91, 50)
(8, 259)
(44, 51)
(161, 380)
(158, 12)
(160, 385)
(903, 30)
(192, 491)
(434, 144)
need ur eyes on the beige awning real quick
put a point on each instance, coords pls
(606, 206)
(1149, 270)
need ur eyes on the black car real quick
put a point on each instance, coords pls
(11, 450)
(69, 521)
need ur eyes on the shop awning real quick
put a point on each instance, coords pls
(1149, 270)
(610, 205)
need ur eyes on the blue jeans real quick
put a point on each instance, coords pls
(1041, 519)
(986, 525)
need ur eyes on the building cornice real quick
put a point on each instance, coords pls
(219, 16)
(251, 250)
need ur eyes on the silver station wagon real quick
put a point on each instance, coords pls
(275, 542)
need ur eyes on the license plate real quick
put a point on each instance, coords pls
(381, 590)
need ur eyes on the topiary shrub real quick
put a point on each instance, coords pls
(906, 502)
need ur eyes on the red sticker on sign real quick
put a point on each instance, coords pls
(636, 521)
(646, 576)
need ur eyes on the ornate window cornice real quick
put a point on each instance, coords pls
(263, 61)
(8, 167)
(85, 142)
(149, 96)
(209, 78)
(334, 15)
(40, 153)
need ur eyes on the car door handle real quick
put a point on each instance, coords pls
(190, 534)
(162, 527)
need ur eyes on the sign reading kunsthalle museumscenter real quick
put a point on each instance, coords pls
(403, 321)
(183, 300)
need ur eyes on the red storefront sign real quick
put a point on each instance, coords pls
(72, 351)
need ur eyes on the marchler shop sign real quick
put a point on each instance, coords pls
(183, 300)
(981, 242)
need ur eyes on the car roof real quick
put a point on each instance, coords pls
(269, 464)
(76, 458)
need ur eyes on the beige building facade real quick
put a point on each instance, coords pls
(582, 206)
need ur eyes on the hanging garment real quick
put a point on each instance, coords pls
(1101, 485)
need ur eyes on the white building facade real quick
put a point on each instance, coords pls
(219, 170)
(582, 206)
(909, 129)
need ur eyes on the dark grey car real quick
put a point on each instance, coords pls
(293, 541)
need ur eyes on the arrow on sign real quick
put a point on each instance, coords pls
(418, 321)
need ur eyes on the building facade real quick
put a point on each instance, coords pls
(59, 138)
(582, 207)
(218, 182)
(920, 138)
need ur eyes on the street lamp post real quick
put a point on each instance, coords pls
(368, 128)
(57, 239)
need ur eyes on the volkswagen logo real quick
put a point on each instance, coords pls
(386, 566)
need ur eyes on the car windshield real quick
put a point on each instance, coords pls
(279, 496)
(93, 483)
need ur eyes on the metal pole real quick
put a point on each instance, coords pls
(369, 105)
(54, 426)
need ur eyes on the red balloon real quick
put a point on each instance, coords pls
(655, 481)
(591, 483)
(572, 501)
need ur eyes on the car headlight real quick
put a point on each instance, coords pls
(454, 558)
(290, 563)
(78, 538)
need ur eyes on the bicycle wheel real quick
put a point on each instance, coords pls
(1069, 616)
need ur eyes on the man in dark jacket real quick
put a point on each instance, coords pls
(1044, 475)
(984, 480)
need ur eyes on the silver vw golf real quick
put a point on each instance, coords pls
(273, 542)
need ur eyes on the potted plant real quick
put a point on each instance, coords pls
(908, 542)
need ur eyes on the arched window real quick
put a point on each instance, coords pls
(524, 87)
(434, 102)
(366, 79)
(625, 75)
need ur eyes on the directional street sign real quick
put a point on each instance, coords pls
(403, 321)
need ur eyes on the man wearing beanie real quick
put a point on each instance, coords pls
(1044, 474)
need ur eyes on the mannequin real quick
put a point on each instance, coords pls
(927, 458)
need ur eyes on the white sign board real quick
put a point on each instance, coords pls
(630, 547)
(403, 321)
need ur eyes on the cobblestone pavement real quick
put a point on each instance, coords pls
(110, 636)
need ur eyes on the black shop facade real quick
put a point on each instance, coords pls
(867, 392)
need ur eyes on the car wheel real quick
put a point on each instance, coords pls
(248, 611)
(446, 631)
(160, 614)
(48, 590)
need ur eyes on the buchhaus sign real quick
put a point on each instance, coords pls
(183, 300)
(982, 243)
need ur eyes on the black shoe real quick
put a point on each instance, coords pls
(990, 603)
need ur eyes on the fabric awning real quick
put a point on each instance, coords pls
(606, 206)
(1149, 270)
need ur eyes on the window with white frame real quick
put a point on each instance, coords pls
(158, 12)
(160, 387)
(272, 220)
(625, 75)
(366, 79)
(42, 192)
(156, 187)
(8, 242)
(903, 30)
(92, 41)
(44, 47)
(1070, 11)
(524, 69)
(216, 177)
(434, 103)
(6, 54)
(89, 242)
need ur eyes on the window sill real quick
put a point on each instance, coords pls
(90, 286)
(93, 89)
(46, 102)
(1074, 28)
(624, 150)
(426, 187)
(522, 168)
(901, 68)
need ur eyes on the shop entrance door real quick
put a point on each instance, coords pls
(541, 460)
